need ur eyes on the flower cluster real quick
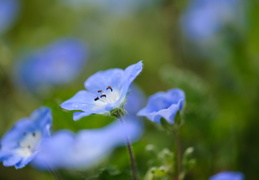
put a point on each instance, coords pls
(107, 92)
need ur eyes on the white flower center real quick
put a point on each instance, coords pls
(28, 145)
(107, 96)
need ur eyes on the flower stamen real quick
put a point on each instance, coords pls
(103, 95)
(109, 87)
(110, 96)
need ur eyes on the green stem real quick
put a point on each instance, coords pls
(178, 154)
(132, 159)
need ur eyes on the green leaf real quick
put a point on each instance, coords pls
(178, 120)
(166, 125)
(156, 173)
(111, 173)
(188, 162)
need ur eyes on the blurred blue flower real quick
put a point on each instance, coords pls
(135, 101)
(86, 148)
(21, 144)
(227, 175)
(164, 105)
(8, 14)
(204, 18)
(56, 64)
(106, 91)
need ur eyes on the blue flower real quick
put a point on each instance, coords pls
(21, 144)
(136, 100)
(106, 91)
(164, 105)
(8, 13)
(58, 63)
(203, 19)
(227, 175)
(86, 148)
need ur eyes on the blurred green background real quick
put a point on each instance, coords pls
(220, 79)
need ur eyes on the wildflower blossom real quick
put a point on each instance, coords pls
(205, 18)
(21, 144)
(106, 91)
(58, 63)
(227, 175)
(163, 105)
(88, 147)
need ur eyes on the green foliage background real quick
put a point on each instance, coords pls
(221, 116)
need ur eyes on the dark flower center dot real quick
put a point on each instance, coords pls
(21, 144)
(109, 87)
(103, 95)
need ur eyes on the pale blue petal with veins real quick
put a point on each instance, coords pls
(106, 91)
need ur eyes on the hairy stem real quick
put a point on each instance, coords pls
(132, 159)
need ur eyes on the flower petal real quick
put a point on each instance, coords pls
(130, 73)
(55, 150)
(12, 160)
(83, 100)
(43, 119)
(102, 79)
(11, 138)
(169, 114)
(131, 127)
(24, 162)
(135, 101)
(176, 95)
(79, 115)
(87, 147)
